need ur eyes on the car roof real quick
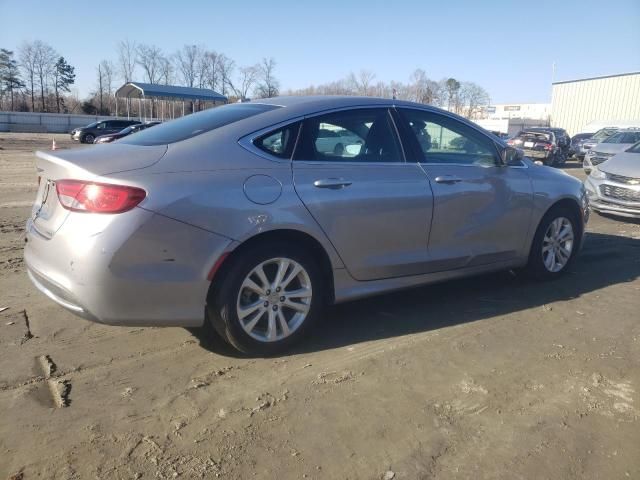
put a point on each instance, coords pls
(300, 106)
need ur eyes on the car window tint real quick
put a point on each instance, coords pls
(279, 143)
(445, 140)
(197, 124)
(359, 135)
(631, 137)
(615, 138)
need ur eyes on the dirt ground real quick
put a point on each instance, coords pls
(491, 377)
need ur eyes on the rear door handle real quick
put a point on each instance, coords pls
(447, 179)
(333, 183)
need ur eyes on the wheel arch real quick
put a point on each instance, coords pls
(570, 203)
(286, 235)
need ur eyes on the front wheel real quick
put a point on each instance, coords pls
(88, 138)
(555, 244)
(267, 299)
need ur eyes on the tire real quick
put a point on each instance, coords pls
(88, 138)
(262, 332)
(540, 266)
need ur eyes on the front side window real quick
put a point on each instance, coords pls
(359, 135)
(101, 125)
(279, 143)
(445, 140)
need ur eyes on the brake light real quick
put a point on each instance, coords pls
(546, 146)
(90, 197)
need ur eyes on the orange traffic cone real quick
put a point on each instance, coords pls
(53, 144)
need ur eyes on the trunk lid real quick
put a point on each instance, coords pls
(47, 214)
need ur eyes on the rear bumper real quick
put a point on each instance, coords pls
(136, 268)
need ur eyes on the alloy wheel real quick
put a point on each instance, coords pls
(274, 299)
(557, 244)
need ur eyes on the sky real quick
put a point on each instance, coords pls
(507, 47)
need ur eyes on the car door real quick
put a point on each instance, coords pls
(350, 173)
(482, 209)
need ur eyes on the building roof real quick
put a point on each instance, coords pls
(596, 78)
(139, 89)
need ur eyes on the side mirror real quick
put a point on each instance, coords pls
(512, 156)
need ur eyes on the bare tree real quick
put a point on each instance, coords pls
(473, 98)
(100, 93)
(149, 57)
(188, 61)
(247, 77)
(46, 58)
(269, 85)
(167, 72)
(127, 52)
(108, 72)
(225, 70)
(27, 54)
(362, 82)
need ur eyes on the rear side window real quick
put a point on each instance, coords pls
(279, 143)
(196, 124)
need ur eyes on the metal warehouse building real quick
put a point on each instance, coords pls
(590, 103)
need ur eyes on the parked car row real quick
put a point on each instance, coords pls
(106, 131)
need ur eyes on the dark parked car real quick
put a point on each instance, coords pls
(563, 140)
(576, 143)
(540, 144)
(123, 133)
(104, 127)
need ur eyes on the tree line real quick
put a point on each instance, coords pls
(461, 97)
(37, 78)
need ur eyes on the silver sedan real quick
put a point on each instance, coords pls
(255, 216)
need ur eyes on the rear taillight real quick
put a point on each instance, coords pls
(90, 197)
(546, 146)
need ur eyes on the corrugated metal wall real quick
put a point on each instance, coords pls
(578, 103)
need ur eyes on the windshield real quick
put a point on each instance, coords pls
(615, 138)
(91, 125)
(128, 130)
(196, 124)
(603, 133)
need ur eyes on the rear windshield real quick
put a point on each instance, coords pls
(196, 124)
(535, 136)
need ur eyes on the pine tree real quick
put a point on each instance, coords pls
(64, 77)
(10, 80)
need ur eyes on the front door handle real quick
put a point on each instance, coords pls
(333, 183)
(447, 179)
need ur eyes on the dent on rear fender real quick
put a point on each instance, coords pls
(165, 250)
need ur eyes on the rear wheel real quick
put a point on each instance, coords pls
(555, 244)
(267, 299)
